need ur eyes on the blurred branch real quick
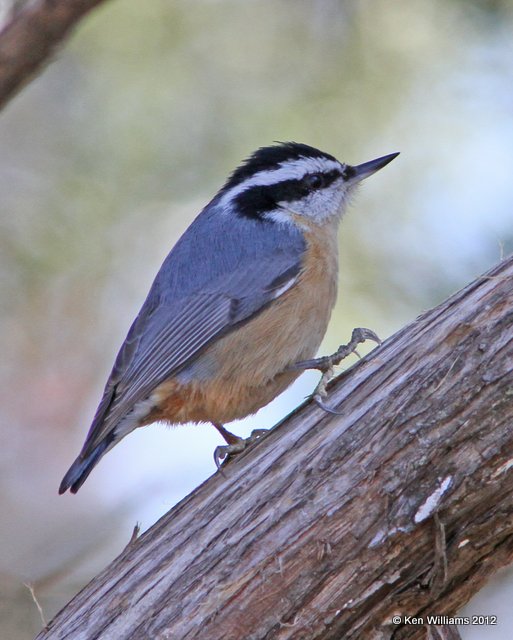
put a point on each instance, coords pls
(31, 36)
(30, 587)
(332, 525)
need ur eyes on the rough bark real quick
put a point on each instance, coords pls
(30, 38)
(331, 525)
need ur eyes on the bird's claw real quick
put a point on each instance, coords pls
(361, 334)
(325, 364)
(223, 453)
(320, 403)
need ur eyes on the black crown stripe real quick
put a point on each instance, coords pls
(268, 158)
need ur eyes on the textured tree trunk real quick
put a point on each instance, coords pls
(332, 525)
(29, 39)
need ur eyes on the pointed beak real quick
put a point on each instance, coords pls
(362, 171)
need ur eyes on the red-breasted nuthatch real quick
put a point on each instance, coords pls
(239, 305)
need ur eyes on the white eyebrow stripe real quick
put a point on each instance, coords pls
(289, 170)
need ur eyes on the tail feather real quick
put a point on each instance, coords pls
(82, 467)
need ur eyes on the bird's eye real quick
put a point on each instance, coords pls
(314, 181)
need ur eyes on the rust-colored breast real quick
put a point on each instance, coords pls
(246, 367)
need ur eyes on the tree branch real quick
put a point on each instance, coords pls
(31, 37)
(331, 525)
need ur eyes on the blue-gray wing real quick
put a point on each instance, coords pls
(218, 274)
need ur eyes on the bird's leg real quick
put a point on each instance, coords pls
(234, 445)
(325, 364)
(229, 437)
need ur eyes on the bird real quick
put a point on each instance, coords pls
(239, 306)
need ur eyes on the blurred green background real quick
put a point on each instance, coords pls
(107, 157)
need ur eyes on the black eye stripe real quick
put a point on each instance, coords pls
(321, 179)
(348, 172)
(333, 175)
(257, 200)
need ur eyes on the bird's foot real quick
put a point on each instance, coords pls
(326, 364)
(224, 453)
